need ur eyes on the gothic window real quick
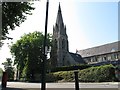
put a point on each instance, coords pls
(67, 45)
(55, 43)
(63, 44)
(56, 25)
(63, 60)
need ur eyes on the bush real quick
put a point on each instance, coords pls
(98, 74)
(64, 76)
(92, 74)
(51, 78)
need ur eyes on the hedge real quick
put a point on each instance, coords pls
(67, 76)
(69, 68)
(98, 74)
(105, 73)
(93, 74)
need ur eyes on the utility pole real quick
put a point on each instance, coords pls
(43, 81)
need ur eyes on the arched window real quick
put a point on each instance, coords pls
(55, 43)
(63, 44)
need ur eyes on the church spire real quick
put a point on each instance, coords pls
(59, 9)
(59, 19)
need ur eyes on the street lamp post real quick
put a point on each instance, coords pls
(43, 81)
(76, 80)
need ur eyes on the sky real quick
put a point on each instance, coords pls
(89, 23)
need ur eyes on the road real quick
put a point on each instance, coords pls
(63, 86)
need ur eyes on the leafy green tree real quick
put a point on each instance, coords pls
(13, 14)
(9, 68)
(28, 53)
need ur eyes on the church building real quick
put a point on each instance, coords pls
(60, 55)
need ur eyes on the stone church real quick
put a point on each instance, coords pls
(60, 46)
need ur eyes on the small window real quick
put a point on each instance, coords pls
(104, 58)
(109, 57)
(116, 56)
(55, 43)
(63, 44)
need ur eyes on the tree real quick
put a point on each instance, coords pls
(28, 53)
(9, 68)
(13, 14)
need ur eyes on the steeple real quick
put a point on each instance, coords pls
(59, 9)
(59, 19)
(60, 55)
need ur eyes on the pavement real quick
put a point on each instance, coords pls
(63, 86)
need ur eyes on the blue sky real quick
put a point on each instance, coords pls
(99, 21)
(88, 24)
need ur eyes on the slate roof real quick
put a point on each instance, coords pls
(77, 58)
(103, 49)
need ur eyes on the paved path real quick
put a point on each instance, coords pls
(62, 86)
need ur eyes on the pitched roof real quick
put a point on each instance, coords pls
(103, 49)
(77, 58)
